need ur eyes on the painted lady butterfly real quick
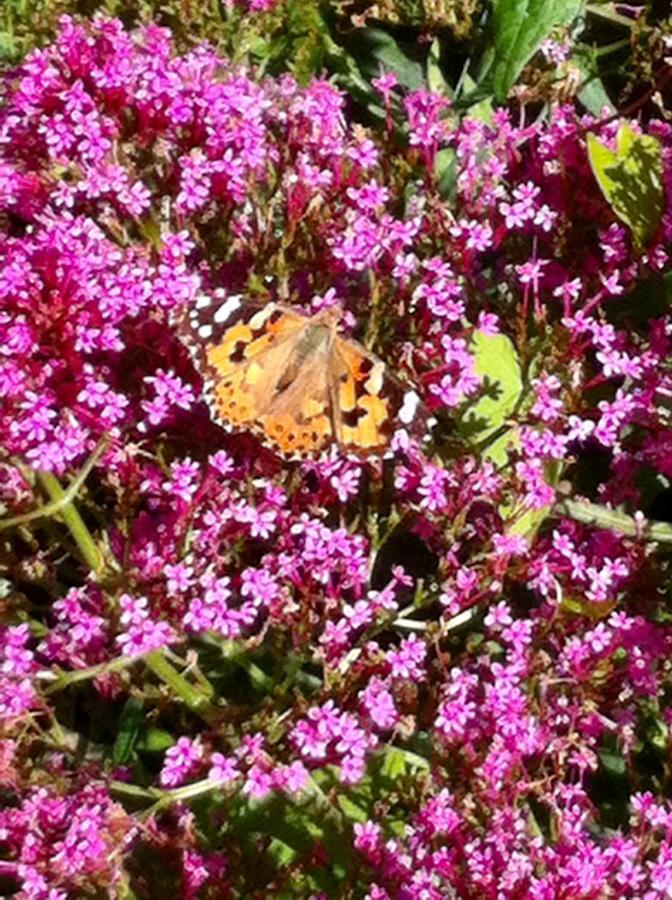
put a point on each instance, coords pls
(292, 379)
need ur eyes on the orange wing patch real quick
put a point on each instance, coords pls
(292, 379)
(363, 419)
(245, 340)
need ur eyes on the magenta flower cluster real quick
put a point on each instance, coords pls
(430, 613)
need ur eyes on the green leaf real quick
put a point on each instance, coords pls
(155, 740)
(8, 49)
(394, 764)
(435, 80)
(281, 854)
(518, 28)
(397, 761)
(351, 810)
(347, 74)
(593, 94)
(594, 97)
(482, 111)
(630, 178)
(306, 31)
(445, 172)
(377, 50)
(529, 523)
(588, 609)
(130, 723)
(612, 761)
(496, 361)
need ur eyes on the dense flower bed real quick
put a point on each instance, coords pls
(398, 677)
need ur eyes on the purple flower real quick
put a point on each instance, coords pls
(181, 762)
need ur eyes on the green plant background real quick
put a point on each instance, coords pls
(475, 50)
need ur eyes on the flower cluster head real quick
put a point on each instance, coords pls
(293, 633)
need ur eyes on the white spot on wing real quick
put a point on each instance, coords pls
(226, 310)
(409, 407)
(202, 301)
(205, 331)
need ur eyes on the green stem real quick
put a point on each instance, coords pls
(260, 680)
(65, 497)
(162, 797)
(414, 760)
(159, 665)
(67, 678)
(373, 325)
(603, 517)
(68, 512)
(62, 504)
(194, 699)
(613, 48)
(134, 791)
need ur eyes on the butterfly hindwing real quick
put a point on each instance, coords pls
(298, 419)
(362, 411)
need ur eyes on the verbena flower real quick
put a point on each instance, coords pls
(428, 614)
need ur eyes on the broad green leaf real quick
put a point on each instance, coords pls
(518, 28)
(281, 854)
(394, 764)
(474, 100)
(130, 723)
(496, 361)
(482, 111)
(7, 46)
(348, 75)
(586, 608)
(435, 80)
(529, 522)
(613, 761)
(593, 94)
(259, 49)
(594, 98)
(630, 178)
(307, 31)
(377, 50)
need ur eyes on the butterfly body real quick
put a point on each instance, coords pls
(292, 379)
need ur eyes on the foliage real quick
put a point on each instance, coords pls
(631, 180)
(442, 671)
(481, 48)
(458, 17)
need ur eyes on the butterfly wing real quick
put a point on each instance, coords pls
(240, 350)
(367, 402)
(298, 420)
(291, 379)
(256, 375)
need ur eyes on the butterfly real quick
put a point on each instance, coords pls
(292, 379)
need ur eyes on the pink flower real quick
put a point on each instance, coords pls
(181, 762)
(223, 769)
(385, 84)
